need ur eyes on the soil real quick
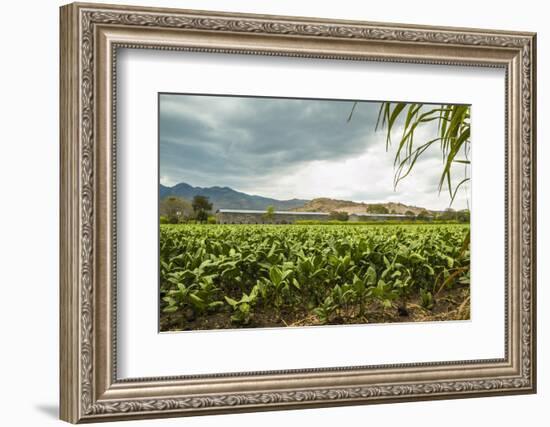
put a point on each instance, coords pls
(453, 304)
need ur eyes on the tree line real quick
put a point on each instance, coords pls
(177, 210)
(448, 214)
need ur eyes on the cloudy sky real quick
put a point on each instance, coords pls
(292, 148)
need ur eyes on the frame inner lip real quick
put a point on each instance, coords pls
(117, 44)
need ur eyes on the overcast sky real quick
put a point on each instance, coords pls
(292, 148)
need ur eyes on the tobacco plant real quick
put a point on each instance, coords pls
(328, 271)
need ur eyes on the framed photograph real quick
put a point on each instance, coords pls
(350, 252)
(266, 212)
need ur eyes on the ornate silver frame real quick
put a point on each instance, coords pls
(90, 36)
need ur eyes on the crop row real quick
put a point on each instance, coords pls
(322, 270)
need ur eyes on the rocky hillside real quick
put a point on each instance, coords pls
(227, 198)
(331, 205)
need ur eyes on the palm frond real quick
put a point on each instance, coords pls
(453, 137)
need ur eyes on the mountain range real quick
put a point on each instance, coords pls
(228, 198)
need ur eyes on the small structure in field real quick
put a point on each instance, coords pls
(248, 216)
(365, 217)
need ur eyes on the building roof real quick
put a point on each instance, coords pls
(383, 215)
(251, 211)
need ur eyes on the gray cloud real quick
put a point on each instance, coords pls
(256, 144)
(259, 136)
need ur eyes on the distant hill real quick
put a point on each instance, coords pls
(227, 198)
(324, 204)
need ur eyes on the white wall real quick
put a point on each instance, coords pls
(29, 170)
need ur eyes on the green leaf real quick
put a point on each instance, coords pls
(371, 276)
(430, 269)
(275, 275)
(215, 304)
(231, 301)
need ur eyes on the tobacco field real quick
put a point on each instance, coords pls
(234, 276)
